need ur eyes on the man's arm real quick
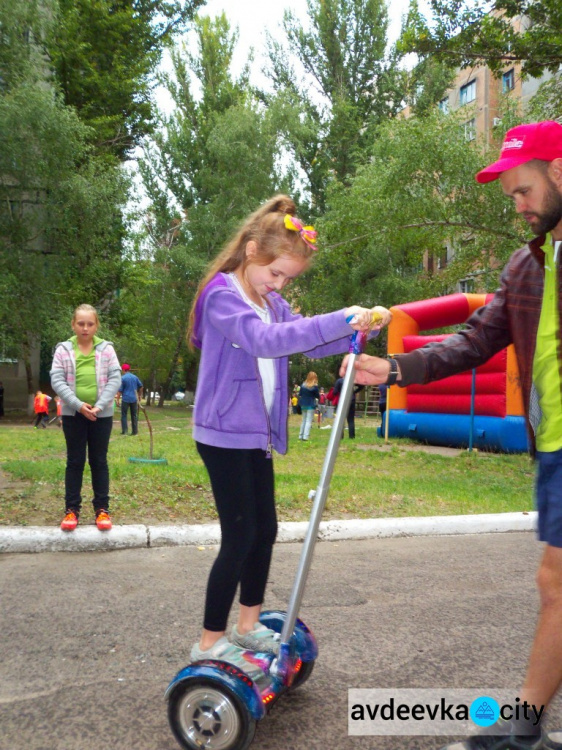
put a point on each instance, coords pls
(488, 332)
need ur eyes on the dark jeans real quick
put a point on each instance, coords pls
(350, 421)
(134, 417)
(41, 417)
(81, 434)
(243, 487)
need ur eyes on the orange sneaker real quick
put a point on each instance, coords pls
(70, 521)
(103, 520)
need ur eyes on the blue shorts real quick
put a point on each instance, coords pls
(549, 497)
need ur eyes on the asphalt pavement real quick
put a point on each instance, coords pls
(91, 639)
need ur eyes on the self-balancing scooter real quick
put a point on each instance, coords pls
(213, 705)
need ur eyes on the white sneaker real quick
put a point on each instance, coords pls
(261, 639)
(226, 651)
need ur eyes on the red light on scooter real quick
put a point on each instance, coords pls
(298, 665)
(268, 698)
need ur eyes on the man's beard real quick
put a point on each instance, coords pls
(552, 212)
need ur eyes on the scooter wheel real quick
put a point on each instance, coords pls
(206, 715)
(303, 674)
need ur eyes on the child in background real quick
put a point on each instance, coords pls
(58, 402)
(308, 396)
(322, 401)
(246, 332)
(295, 403)
(86, 375)
(41, 409)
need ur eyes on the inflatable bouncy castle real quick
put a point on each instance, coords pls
(481, 408)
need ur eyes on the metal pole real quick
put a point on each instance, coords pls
(320, 498)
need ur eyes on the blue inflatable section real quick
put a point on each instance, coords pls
(508, 434)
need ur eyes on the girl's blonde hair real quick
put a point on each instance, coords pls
(311, 380)
(86, 308)
(265, 227)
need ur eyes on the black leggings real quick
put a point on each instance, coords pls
(243, 488)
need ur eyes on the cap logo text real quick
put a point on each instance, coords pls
(513, 143)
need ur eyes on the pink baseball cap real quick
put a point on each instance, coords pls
(537, 140)
(125, 367)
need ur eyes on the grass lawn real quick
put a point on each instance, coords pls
(369, 481)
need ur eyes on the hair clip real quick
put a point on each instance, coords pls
(308, 234)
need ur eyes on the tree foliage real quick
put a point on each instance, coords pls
(60, 216)
(417, 194)
(23, 27)
(347, 86)
(498, 33)
(211, 163)
(61, 226)
(104, 54)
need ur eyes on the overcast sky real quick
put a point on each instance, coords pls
(253, 16)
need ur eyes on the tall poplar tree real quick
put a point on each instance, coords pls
(211, 163)
(334, 83)
(105, 53)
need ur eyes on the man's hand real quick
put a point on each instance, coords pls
(368, 370)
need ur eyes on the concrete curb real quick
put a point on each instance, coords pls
(88, 538)
(84, 539)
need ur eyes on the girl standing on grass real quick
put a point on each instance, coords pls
(86, 374)
(246, 332)
(308, 397)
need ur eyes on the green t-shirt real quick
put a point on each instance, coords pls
(86, 385)
(546, 370)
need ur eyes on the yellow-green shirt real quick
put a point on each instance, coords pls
(86, 384)
(546, 370)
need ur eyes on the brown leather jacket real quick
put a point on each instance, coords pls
(511, 317)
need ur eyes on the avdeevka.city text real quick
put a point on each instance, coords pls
(440, 711)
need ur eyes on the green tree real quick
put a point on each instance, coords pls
(427, 85)
(208, 166)
(473, 32)
(105, 53)
(60, 224)
(23, 29)
(547, 102)
(347, 87)
(417, 194)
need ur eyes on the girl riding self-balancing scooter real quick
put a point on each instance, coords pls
(214, 705)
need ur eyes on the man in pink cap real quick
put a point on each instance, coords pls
(526, 311)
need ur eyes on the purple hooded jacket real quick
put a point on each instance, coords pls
(229, 409)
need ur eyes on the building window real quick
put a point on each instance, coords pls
(468, 93)
(508, 81)
(444, 106)
(466, 286)
(442, 259)
(470, 129)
